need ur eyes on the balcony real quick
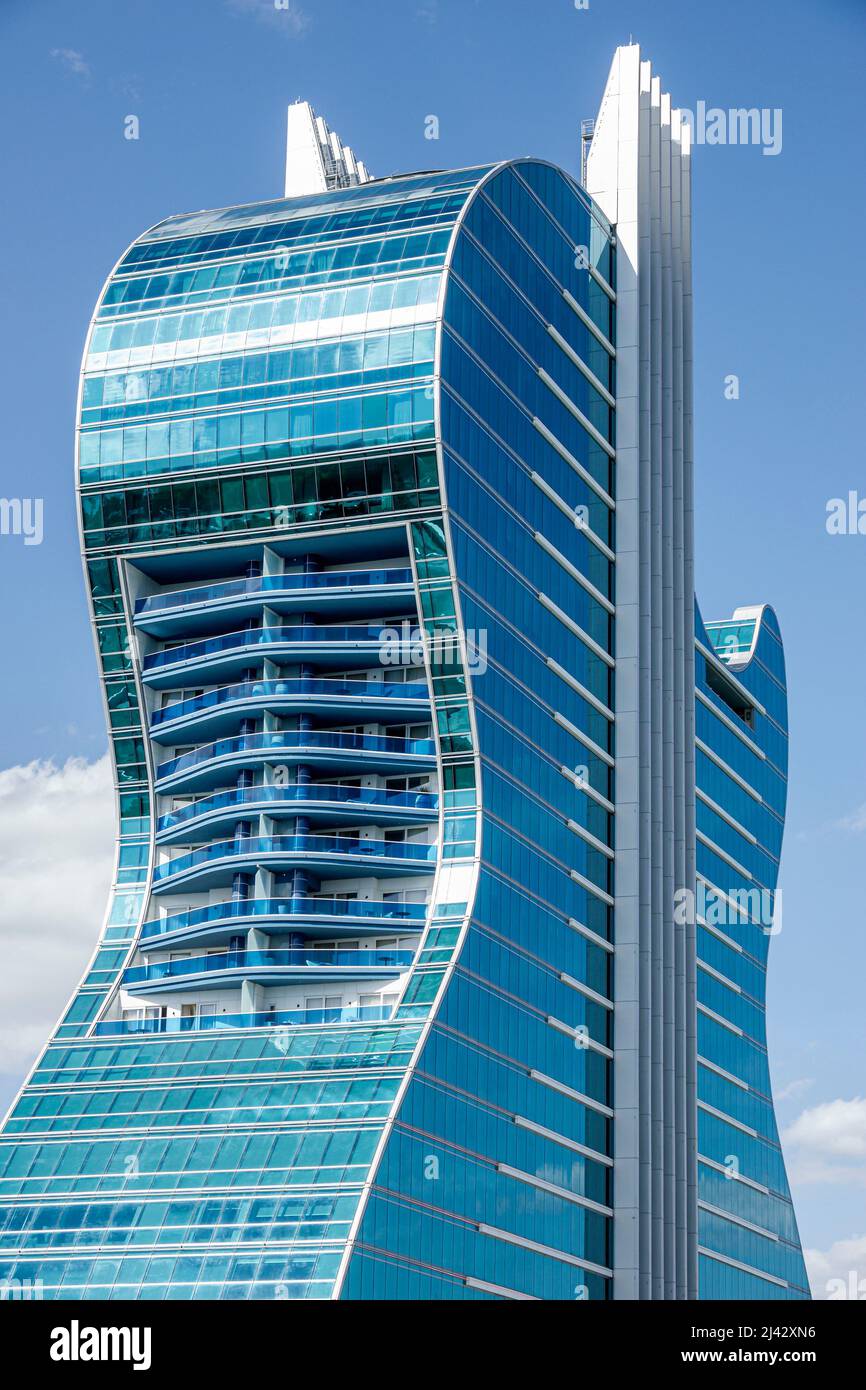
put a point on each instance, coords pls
(322, 917)
(197, 663)
(331, 856)
(217, 713)
(299, 966)
(315, 800)
(363, 593)
(212, 763)
(287, 1018)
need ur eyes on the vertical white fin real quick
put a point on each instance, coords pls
(316, 159)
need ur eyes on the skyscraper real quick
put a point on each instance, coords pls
(415, 981)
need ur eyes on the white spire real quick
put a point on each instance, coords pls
(316, 158)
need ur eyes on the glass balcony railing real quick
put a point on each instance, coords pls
(308, 634)
(334, 846)
(732, 639)
(406, 916)
(306, 687)
(364, 798)
(368, 1013)
(237, 962)
(271, 585)
(294, 740)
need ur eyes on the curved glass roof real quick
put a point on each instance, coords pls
(337, 201)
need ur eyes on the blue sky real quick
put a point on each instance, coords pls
(779, 302)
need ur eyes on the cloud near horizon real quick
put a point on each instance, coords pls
(57, 836)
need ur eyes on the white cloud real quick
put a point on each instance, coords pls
(840, 1272)
(826, 1146)
(73, 61)
(794, 1088)
(854, 822)
(836, 1129)
(283, 13)
(56, 847)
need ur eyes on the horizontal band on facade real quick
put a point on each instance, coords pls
(580, 689)
(498, 1290)
(718, 1018)
(569, 1091)
(582, 1034)
(574, 463)
(726, 768)
(585, 990)
(588, 322)
(553, 496)
(730, 724)
(719, 934)
(574, 572)
(717, 975)
(584, 786)
(303, 1244)
(723, 854)
(747, 1269)
(543, 852)
(728, 1119)
(509, 1238)
(583, 420)
(578, 361)
(726, 1075)
(553, 1188)
(737, 1220)
(583, 738)
(733, 1176)
(602, 283)
(591, 887)
(563, 1139)
(591, 839)
(591, 935)
(575, 628)
(726, 816)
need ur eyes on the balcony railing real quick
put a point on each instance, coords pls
(309, 634)
(406, 916)
(271, 585)
(307, 793)
(415, 856)
(294, 740)
(306, 687)
(238, 962)
(294, 1018)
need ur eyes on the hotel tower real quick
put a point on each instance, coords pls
(448, 833)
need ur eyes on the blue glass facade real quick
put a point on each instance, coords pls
(347, 486)
(748, 1241)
